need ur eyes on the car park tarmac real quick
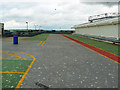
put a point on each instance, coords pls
(62, 63)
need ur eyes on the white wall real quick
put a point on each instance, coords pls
(104, 30)
(1, 26)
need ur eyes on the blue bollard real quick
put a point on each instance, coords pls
(15, 39)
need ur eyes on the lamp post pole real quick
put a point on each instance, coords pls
(27, 25)
(39, 27)
(35, 26)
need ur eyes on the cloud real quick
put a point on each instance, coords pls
(99, 0)
(13, 24)
(109, 4)
(43, 13)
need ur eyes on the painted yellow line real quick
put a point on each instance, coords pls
(10, 58)
(20, 82)
(47, 38)
(13, 54)
(13, 59)
(39, 43)
(24, 58)
(19, 57)
(12, 72)
(43, 43)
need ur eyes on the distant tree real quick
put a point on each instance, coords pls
(53, 30)
(71, 31)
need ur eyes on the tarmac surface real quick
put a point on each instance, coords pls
(62, 63)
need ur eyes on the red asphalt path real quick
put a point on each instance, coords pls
(98, 50)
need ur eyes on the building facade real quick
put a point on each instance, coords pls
(1, 28)
(104, 28)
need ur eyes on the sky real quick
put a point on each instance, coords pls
(51, 14)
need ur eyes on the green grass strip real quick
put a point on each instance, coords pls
(15, 65)
(99, 44)
(0, 81)
(10, 80)
(40, 37)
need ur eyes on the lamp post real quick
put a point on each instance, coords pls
(35, 26)
(27, 25)
(39, 27)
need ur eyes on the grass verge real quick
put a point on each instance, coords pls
(15, 65)
(10, 80)
(99, 44)
(40, 37)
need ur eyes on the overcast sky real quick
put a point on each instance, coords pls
(51, 14)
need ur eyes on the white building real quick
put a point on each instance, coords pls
(1, 28)
(108, 28)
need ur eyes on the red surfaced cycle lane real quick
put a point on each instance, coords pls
(98, 50)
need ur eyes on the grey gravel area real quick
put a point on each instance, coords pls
(62, 63)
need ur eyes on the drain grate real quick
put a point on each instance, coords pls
(41, 85)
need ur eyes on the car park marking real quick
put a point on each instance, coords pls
(47, 38)
(18, 57)
(13, 55)
(12, 72)
(20, 82)
(39, 43)
(109, 55)
(14, 59)
(43, 43)
(24, 73)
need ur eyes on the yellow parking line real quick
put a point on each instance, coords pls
(24, 58)
(43, 43)
(13, 55)
(47, 38)
(20, 82)
(13, 59)
(12, 72)
(10, 59)
(39, 43)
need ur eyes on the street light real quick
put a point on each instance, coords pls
(39, 27)
(35, 26)
(27, 25)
